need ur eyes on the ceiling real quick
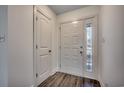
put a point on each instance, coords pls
(59, 9)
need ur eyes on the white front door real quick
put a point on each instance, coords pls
(79, 48)
(72, 48)
(42, 47)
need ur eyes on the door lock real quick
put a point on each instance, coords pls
(81, 46)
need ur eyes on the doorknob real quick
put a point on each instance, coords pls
(81, 53)
(50, 51)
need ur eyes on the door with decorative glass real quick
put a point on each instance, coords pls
(78, 48)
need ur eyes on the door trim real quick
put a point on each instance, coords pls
(41, 12)
(34, 45)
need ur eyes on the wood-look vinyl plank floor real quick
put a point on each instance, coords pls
(60, 79)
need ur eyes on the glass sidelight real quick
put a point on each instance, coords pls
(89, 47)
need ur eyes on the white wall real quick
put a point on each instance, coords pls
(112, 28)
(3, 46)
(20, 46)
(54, 40)
(17, 52)
(75, 15)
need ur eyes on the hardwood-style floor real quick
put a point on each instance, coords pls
(66, 80)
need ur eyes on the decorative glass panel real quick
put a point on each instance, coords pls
(89, 54)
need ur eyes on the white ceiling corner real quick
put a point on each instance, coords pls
(59, 9)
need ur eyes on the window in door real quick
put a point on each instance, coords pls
(89, 49)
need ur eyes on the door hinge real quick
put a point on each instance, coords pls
(36, 75)
(36, 18)
(36, 46)
(60, 65)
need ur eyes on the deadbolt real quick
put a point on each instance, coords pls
(81, 46)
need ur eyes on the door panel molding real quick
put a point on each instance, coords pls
(71, 40)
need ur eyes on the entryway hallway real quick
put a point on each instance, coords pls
(61, 45)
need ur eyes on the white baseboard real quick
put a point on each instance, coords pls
(31, 86)
(101, 83)
(57, 69)
(70, 73)
(54, 70)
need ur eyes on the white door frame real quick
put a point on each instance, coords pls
(95, 43)
(35, 10)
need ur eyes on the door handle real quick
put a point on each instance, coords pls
(50, 51)
(81, 52)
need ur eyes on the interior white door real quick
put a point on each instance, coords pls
(72, 48)
(43, 47)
